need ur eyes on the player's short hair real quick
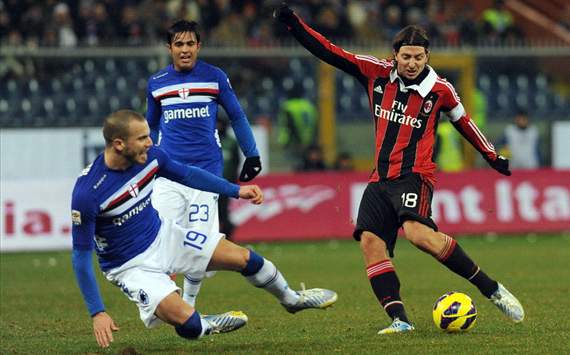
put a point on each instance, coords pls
(182, 26)
(116, 125)
(411, 35)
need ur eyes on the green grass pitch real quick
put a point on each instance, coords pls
(42, 311)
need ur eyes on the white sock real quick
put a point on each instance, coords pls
(191, 290)
(271, 280)
(206, 327)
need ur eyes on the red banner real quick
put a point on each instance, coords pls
(324, 205)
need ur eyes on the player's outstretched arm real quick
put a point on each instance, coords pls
(460, 119)
(252, 193)
(103, 328)
(317, 44)
(471, 132)
(103, 325)
(194, 177)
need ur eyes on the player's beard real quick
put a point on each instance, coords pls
(135, 157)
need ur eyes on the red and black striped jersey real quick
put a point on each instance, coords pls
(405, 117)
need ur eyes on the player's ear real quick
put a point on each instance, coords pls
(118, 144)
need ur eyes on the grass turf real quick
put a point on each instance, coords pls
(41, 310)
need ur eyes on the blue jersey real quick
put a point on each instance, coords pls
(183, 106)
(112, 209)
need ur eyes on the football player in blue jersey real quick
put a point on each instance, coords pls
(112, 213)
(182, 101)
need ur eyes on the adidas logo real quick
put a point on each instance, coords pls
(378, 89)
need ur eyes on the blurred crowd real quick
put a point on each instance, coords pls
(71, 23)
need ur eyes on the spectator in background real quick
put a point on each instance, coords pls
(468, 26)
(261, 35)
(230, 153)
(100, 27)
(313, 159)
(297, 121)
(4, 24)
(344, 162)
(231, 31)
(498, 22)
(63, 26)
(331, 24)
(131, 28)
(392, 21)
(31, 25)
(521, 143)
(363, 17)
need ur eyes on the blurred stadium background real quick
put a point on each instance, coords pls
(66, 64)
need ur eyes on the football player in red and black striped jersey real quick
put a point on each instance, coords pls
(406, 98)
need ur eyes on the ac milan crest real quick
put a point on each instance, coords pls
(184, 93)
(134, 189)
(428, 105)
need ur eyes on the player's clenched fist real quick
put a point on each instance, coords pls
(283, 13)
(252, 193)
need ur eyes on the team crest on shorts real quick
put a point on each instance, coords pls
(143, 297)
(428, 105)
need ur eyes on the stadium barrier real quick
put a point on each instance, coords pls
(35, 214)
(325, 205)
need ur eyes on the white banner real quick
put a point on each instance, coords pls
(35, 215)
(64, 152)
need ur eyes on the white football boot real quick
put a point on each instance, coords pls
(397, 326)
(318, 298)
(508, 304)
(225, 322)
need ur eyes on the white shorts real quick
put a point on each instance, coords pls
(187, 206)
(145, 278)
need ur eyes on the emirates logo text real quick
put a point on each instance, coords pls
(396, 114)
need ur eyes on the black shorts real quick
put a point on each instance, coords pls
(386, 205)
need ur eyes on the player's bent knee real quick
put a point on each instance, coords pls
(192, 328)
(372, 246)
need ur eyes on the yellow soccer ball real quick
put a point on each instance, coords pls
(454, 312)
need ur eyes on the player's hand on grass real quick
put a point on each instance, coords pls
(251, 168)
(283, 13)
(252, 193)
(501, 164)
(103, 327)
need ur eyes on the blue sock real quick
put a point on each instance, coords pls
(192, 328)
(254, 264)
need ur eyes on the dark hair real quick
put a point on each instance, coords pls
(182, 26)
(411, 35)
(116, 125)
